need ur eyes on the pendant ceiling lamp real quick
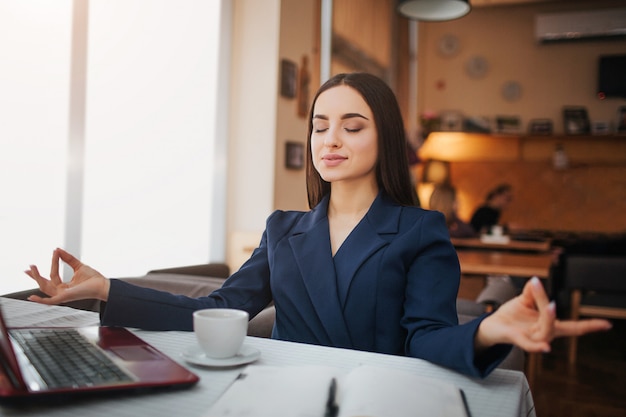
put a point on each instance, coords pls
(433, 10)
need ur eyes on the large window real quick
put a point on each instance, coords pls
(147, 154)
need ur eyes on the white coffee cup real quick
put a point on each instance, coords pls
(497, 230)
(220, 331)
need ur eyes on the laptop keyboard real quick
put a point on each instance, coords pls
(65, 359)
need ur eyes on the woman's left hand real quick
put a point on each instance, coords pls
(529, 321)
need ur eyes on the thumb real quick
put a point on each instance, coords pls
(45, 300)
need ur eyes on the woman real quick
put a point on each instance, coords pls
(364, 269)
(443, 199)
(488, 214)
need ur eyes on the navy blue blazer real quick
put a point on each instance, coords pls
(390, 288)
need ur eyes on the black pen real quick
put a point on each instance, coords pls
(331, 403)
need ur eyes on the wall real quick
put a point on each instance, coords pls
(582, 199)
(299, 39)
(261, 121)
(551, 76)
(590, 196)
(252, 127)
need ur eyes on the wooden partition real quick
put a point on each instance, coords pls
(589, 195)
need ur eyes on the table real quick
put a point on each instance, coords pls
(497, 262)
(502, 393)
(511, 245)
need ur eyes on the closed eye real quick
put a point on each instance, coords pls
(353, 130)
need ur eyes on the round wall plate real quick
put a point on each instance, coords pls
(511, 91)
(448, 45)
(477, 66)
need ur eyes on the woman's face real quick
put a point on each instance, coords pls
(503, 199)
(344, 140)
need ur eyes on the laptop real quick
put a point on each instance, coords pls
(48, 363)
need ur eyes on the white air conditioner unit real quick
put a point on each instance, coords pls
(591, 24)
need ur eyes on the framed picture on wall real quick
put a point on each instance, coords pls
(540, 127)
(575, 121)
(294, 155)
(451, 121)
(288, 78)
(508, 124)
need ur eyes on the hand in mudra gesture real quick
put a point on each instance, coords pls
(86, 283)
(529, 321)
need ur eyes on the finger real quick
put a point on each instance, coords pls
(581, 327)
(45, 300)
(42, 283)
(58, 297)
(546, 323)
(34, 274)
(54, 268)
(537, 347)
(539, 293)
(69, 259)
(530, 345)
(33, 277)
(526, 296)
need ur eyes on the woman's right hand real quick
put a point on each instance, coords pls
(86, 283)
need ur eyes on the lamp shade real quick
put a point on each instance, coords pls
(433, 10)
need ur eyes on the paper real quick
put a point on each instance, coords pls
(27, 313)
(391, 392)
(302, 391)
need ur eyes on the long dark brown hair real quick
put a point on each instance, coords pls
(392, 168)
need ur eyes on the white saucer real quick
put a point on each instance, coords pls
(194, 354)
(495, 239)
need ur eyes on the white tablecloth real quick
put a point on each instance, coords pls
(503, 393)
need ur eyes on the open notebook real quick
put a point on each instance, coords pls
(49, 362)
(313, 390)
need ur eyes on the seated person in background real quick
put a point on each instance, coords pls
(498, 289)
(489, 213)
(443, 199)
(364, 269)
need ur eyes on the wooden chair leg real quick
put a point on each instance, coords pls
(531, 368)
(571, 350)
(573, 341)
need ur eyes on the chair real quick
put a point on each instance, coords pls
(597, 285)
(468, 310)
(170, 279)
(192, 281)
(498, 290)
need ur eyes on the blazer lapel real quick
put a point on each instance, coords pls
(382, 218)
(310, 243)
